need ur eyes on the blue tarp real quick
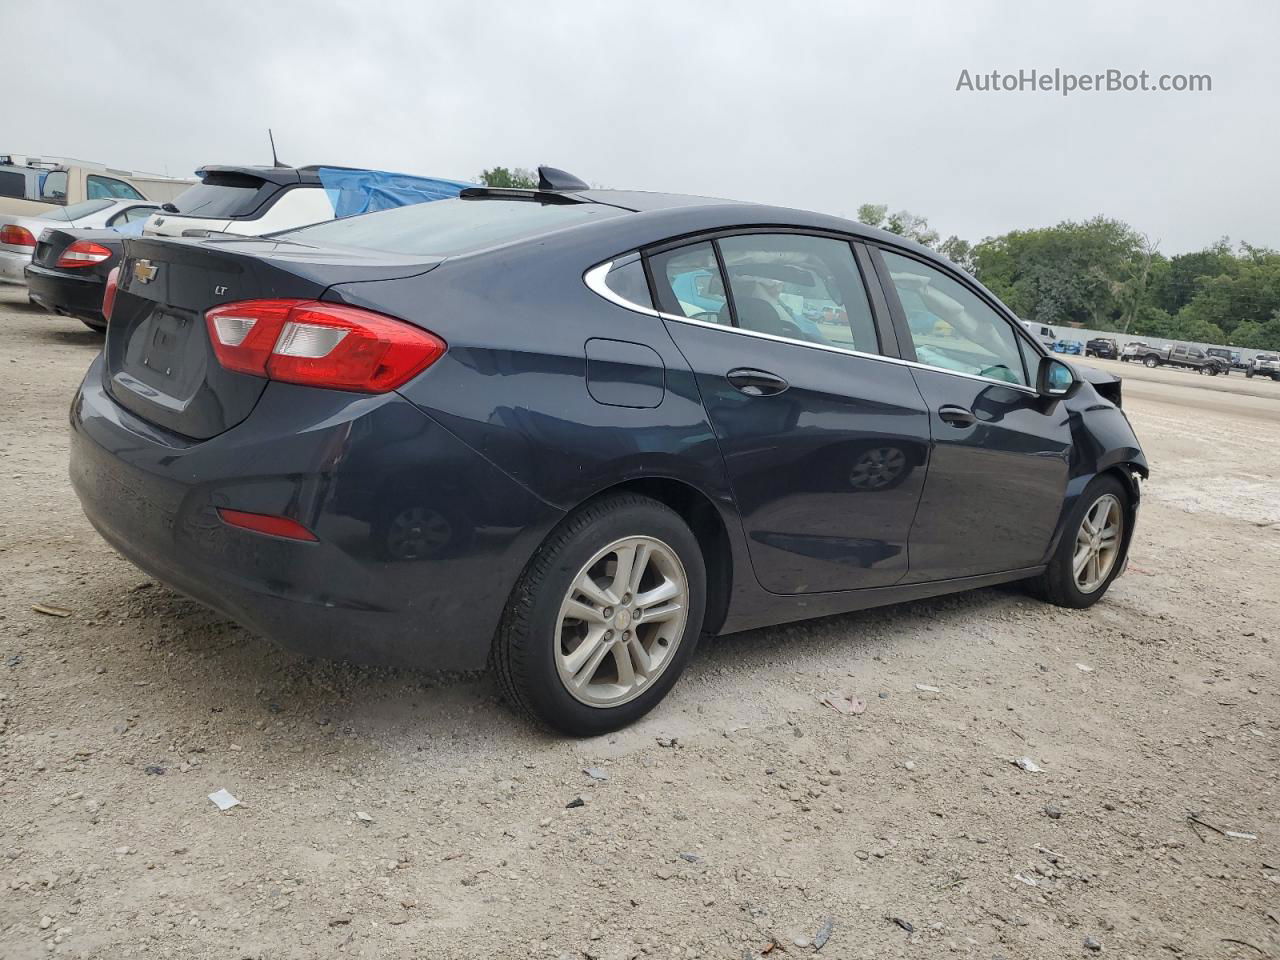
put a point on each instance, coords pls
(364, 191)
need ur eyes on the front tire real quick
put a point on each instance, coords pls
(604, 618)
(1092, 551)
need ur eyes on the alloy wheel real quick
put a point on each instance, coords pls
(621, 621)
(1098, 543)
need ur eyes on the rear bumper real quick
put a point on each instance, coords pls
(60, 292)
(420, 538)
(12, 265)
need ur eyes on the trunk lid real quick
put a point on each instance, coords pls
(51, 243)
(160, 364)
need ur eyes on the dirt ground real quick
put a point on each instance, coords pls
(404, 815)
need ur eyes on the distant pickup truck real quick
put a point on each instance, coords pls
(1264, 365)
(1193, 358)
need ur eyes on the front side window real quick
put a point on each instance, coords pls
(689, 284)
(799, 287)
(953, 328)
(99, 186)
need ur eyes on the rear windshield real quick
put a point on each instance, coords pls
(77, 210)
(221, 196)
(451, 227)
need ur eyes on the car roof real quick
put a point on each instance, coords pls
(731, 213)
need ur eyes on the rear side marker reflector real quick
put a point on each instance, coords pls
(320, 344)
(266, 523)
(109, 298)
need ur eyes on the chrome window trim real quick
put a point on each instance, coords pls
(594, 278)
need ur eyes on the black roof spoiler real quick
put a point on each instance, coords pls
(279, 175)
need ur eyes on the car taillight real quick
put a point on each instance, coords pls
(16, 236)
(83, 253)
(320, 344)
(109, 298)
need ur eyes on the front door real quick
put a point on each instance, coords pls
(824, 444)
(998, 470)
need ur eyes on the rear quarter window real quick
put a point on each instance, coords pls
(452, 227)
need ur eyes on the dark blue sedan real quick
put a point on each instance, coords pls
(565, 432)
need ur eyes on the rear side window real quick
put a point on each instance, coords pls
(99, 186)
(13, 184)
(221, 196)
(689, 284)
(452, 227)
(130, 215)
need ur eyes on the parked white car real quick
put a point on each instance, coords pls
(253, 201)
(249, 201)
(20, 234)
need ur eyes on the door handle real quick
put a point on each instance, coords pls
(757, 383)
(957, 416)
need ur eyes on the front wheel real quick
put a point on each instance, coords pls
(1092, 551)
(604, 618)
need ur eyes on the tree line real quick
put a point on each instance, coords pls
(1100, 273)
(1105, 275)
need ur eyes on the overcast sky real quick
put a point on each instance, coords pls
(807, 104)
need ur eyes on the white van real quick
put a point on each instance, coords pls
(33, 186)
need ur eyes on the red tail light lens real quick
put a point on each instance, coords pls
(320, 344)
(16, 236)
(109, 298)
(83, 253)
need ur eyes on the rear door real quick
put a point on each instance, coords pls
(998, 468)
(825, 440)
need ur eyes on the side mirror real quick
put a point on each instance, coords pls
(1054, 378)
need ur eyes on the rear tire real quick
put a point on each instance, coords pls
(589, 674)
(1150, 362)
(95, 327)
(1063, 583)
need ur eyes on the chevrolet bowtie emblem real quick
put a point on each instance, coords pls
(144, 271)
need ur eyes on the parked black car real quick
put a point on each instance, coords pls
(490, 430)
(1102, 348)
(69, 269)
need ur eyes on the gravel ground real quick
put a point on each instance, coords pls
(393, 814)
